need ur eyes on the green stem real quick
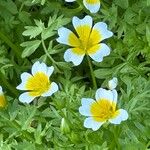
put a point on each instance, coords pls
(92, 73)
(116, 135)
(21, 7)
(46, 52)
(72, 11)
(7, 84)
(49, 56)
(10, 44)
(35, 102)
(80, 3)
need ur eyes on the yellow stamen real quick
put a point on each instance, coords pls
(103, 109)
(38, 84)
(92, 1)
(93, 49)
(87, 40)
(2, 101)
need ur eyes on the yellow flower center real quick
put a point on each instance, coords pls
(92, 1)
(38, 84)
(87, 40)
(2, 101)
(103, 109)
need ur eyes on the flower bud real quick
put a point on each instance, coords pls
(64, 126)
(113, 83)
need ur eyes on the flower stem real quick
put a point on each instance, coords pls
(7, 84)
(35, 102)
(92, 73)
(49, 56)
(46, 52)
(15, 49)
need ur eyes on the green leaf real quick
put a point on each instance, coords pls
(24, 17)
(9, 6)
(122, 3)
(64, 65)
(102, 73)
(42, 2)
(31, 46)
(148, 34)
(37, 134)
(34, 31)
(148, 2)
(48, 32)
(53, 24)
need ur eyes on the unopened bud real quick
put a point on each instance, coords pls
(64, 126)
(112, 83)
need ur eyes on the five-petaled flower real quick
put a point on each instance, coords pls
(92, 5)
(102, 109)
(86, 42)
(38, 83)
(2, 98)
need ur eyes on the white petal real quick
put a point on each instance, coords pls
(70, 0)
(93, 8)
(35, 67)
(43, 68)
(122, 116)
(86, 106)
(1, 90)
(87, 101)
(53, 88)
(103, 50)
(87, 20)
(26, 98)
(69, 56)
(90, 123)
(63, 35)
(39, 67)
(112, 84)
(50, 71)
(115, 96)
(104, 94)
(24, 77)
(102, 28)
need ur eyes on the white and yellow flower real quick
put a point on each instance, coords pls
(38, 83)
(92, 5)
(102, 109)
(112, 84)
(86, 42)
(2, 98)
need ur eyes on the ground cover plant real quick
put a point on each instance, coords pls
(74, 74)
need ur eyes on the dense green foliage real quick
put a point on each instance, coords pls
(28, 32)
